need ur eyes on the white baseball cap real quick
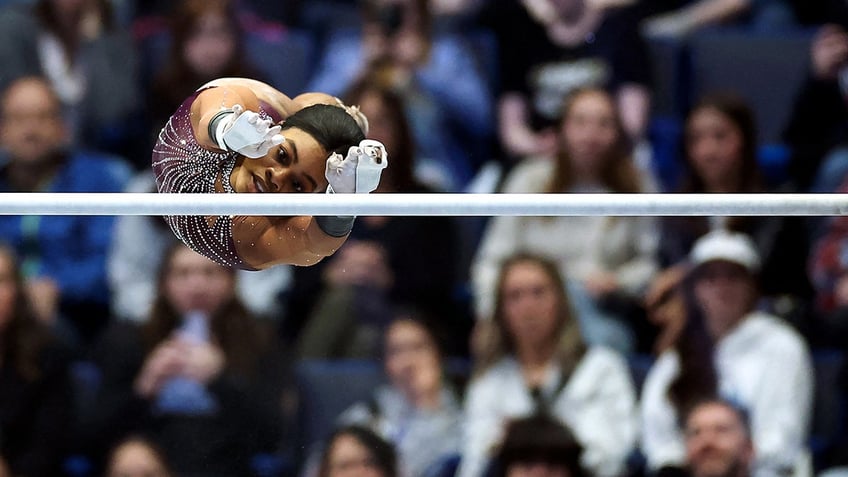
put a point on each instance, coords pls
(727, 246)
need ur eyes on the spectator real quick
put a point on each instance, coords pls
(447, 98)
(728, 348)
(35, 391)
(206, 42)
(88, 61)
(565, 45)
(359, 285)
(607, 260)
(817, 131)
(356, 451)
(532, 359)
(720, 154)
(65, 278)
(418, 410)
(718, 440)
(137, 457)
(201, 376)
(538, 446)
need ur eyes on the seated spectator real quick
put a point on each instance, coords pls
(564, 45)
(87, 60)
(137, 457)
(447, 98)
(607, 261)
(418, 411)
(538, 446)
(720, 157)
(355, 451)
(35, 391)
(817, 130)
(201, 377)
(718, 440)
(357, 287)
(728, 348)
(63, 258)
(532, 359)
(206, 42)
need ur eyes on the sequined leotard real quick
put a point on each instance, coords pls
(181, 165)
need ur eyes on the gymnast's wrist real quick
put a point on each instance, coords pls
(334, 225)
(216, 126)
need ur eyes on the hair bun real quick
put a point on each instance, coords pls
(357, 115)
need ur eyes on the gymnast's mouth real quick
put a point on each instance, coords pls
(259, 185)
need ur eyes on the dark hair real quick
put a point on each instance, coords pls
(400, 177)
(618, 172)
(570, 348)
(413, 314)
(23, 338)
(697, 379)
(331, 126)
(382, 451)
(70, 38)
(538, 438)
(737, 110)
(176, 80)
(232, 326)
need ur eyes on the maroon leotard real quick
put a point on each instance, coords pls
(181, 165)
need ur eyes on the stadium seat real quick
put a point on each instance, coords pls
(765, 68)
(327, 388)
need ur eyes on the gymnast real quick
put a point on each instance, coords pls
(238, 135)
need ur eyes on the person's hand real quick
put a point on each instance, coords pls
(43, 294)
(360, 263)
(359, 172)
(165, 361)
(665, 306)
(529, 143)
(670, 25)
(202, 361)
(829, 52)
(245, 132)
(663, 284)
(600, 283)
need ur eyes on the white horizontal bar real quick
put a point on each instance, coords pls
(421, 204)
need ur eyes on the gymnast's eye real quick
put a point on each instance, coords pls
(283, 156)
(297, 186)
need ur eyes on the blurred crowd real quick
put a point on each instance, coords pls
(437, 346)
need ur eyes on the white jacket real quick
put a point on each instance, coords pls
(764, 365)
(598, 404)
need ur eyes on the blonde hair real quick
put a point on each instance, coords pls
(356, 114)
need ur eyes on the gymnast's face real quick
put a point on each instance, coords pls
(297, 165)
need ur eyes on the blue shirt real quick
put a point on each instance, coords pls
(69, 249)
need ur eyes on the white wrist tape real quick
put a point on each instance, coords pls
(217, 125)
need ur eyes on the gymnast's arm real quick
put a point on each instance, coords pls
(263, 242)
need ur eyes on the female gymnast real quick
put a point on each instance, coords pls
(228, 137)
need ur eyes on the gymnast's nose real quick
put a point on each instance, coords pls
(275, 177)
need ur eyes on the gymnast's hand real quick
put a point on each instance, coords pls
(244, 132)
(359, 172)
